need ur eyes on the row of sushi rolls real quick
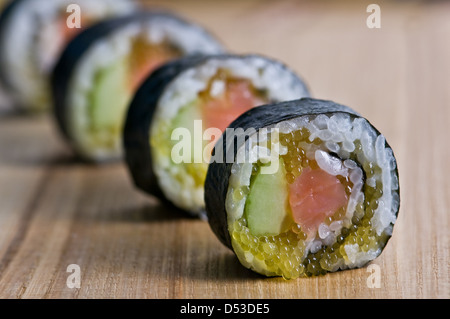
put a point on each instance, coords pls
(295, 186)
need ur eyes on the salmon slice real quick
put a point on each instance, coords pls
(315, 195)
(146, 57)
(238, 98)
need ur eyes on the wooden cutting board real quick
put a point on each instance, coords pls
(55, 211)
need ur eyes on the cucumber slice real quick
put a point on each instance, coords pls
(267, 206)
(185, 118)
(110, 98)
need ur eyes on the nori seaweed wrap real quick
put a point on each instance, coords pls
(182, 109)
(302, 188)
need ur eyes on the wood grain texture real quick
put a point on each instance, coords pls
(55, 211)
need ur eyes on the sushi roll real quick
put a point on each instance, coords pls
(182, 109)
(98, 73)
(302, 188)
(33, 33)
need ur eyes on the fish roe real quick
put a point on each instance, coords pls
(281, 253)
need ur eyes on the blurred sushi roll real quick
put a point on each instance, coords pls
(182, 109)
(98, 73)
(33, 33)
(5, 102)
(309, 187)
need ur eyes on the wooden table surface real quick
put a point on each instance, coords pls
(55, 211)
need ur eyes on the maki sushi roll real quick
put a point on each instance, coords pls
(99, 71)
(33, 33)
(182, 109)
(302, 188)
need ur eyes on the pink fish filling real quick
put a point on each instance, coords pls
(315, 195)
(238, 97)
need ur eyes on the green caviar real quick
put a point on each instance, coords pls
(295, 159)
(282, 254)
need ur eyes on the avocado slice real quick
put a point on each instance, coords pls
(267, 206)
(110, 97)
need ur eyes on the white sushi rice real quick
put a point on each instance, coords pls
(32, 40)
(106, 52)
(278, 81)
(338, 133)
